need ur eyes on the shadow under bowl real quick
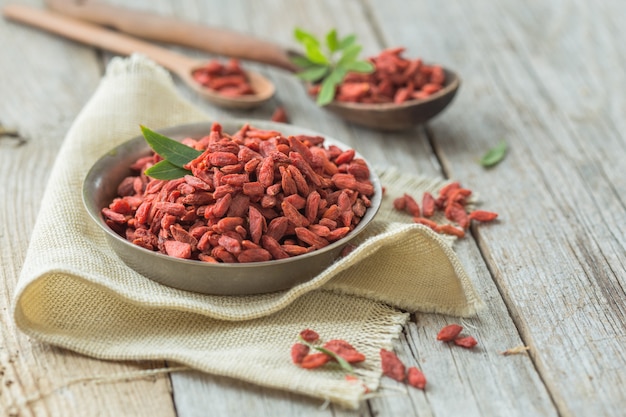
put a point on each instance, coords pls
(100, 188)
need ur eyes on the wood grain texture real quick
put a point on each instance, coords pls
(542, 76)
(44, 82)
(496, 378)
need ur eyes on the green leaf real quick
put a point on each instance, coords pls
(346, 42)
(305, 37)
(494, 155)
(165, 170)
(360, 66)
(302, 61)
(327, 92)
(331, 40)
(345, 365)
(337, 74)
(315, 54)
(349, 55)
(313, 73)
(174, 152)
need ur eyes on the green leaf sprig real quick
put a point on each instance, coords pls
(494, 155)
(175, 156)
(320, 63)
(344, 364)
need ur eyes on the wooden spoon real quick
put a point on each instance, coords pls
(97, 36)
(229, 43)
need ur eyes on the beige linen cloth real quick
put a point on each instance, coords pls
(74, 291)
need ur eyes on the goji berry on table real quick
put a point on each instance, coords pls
(467, 342)
(415, 378)
(483, 216)
(449, 332)
(392, 366)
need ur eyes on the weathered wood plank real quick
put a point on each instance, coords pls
(541, 75)
(44, 82)
(487, 370)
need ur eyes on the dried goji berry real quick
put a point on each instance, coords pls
(411, 206)
(314, 360)
(309, 335)
(467, 342)
(298, 352)
(280, 115)
(449, 332)
(448, 229)
(416, 378)
(391, 365)
(483, 216)
(428, 205)
(345, 350)
(426, 222)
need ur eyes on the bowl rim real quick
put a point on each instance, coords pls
(170, 131)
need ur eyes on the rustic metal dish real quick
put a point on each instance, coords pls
(99, 189)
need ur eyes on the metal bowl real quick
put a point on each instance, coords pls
(100, 187)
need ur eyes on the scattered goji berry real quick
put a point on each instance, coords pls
(448, 229)
(467, 342)
(280, 115)
(392, 366)
(416, 378)
(428, 205)
(483, 216)
(449, 332)
(314, 360)
(298, 352)
(309, 335)
(345, 350)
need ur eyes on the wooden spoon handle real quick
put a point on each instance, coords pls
(168, 29)
(99, 37)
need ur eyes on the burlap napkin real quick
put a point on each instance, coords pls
(74, 292)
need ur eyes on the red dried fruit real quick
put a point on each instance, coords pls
(482, 215)
(428, 205)
(448, 229)
(399, 203)
(309, 335)
(226, 79)
(248, 194)
(314, 360)
(426, 222)
(467, 342)
(279, 115)
(415, 378)
(392, 366)
(411, 206)
(449, 332)
(344, 350)
(299, 352)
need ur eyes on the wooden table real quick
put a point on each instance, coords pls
(546, 76)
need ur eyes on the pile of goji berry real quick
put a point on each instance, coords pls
(452, 200)
(253, 196)
(395, 79)
(226, 79)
